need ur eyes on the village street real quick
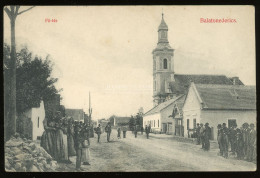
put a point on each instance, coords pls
(159, 153)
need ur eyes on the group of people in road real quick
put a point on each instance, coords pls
(242, 141)
(108, 130)
(63, 137)
(203, 134)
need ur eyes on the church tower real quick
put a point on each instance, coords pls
(163, 72)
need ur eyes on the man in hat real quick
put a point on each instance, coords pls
(232, 138)
(251, 143)
(245, 134)
(202, 129)
(98, 132)
(147, 131)
(219, 138)
(108, 131)
(124, 132)
(239, 144)
(135, 131)
(225, 140)
(207, 136)
(198, 133)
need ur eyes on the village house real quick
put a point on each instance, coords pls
(120, 121)
(217, 104)
(30, 122)
(160, 117)
(76, 114)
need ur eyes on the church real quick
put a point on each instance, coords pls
(170, 89)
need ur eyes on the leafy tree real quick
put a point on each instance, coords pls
(132, 123)
(33, 79)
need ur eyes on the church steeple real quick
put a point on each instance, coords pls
(163, 32)
(163, 71)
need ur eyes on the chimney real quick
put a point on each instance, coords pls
(235, 80)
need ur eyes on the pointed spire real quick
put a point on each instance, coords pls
(163, 25)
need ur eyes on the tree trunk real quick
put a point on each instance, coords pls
(11, 126)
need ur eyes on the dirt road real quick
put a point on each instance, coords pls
(154, 154)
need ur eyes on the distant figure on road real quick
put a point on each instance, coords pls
(108, 131)
(219, 138)
(124, 132)
(198, 133)
(251, 152)
(202, 136)
(118, 133)
(135, 131)
(225, 140)
(147, 131)
(98, 132)
(207, 137)
(142, 130)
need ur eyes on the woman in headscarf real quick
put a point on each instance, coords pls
(70, 136)
(85, 150)
(48, 136)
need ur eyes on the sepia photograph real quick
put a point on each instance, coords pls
(129, 88)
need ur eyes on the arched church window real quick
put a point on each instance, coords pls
(165, 63)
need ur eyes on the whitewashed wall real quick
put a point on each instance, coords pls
(38, 113)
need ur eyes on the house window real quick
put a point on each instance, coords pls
(38, 122)
(158, 123)
(231, 122)
(188, 124)
(154, 123)
(165, 63)
(194, 123)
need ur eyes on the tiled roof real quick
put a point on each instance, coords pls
(122, 120)
(161, 106)
(182, 81)
(76, 114)
(227, 96)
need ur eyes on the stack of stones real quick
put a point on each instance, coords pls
(22, 155)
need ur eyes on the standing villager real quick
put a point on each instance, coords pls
(85, 132)
(147, 131)
(98, 132)
(225, 140)
(207, 135)
(142, 130)
(59, 152)
(245, 133)
(219, 138)
(48, 140)
(198, 133)
(135, 130)
(251, 143)
(239, 144)
(124, 132)
(70, 136)
(202, 136)
(78, 145)
(108, 131)
(232, 138)
(64, 128)
(118, 132)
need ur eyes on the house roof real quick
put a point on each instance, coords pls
(122, 120)
(227, 96)
(161, 106)
(76, 114)
(182, 81)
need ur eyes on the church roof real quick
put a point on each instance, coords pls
(182, 81)
(237, 97)
(161, 106)
(163, 25)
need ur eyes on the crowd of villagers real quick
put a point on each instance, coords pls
(63, 137)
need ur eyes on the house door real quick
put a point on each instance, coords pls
(231, 122)
(164, 126)
(169, 128)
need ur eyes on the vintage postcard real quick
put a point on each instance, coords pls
(129, 88)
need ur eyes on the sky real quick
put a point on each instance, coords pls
(107, 50)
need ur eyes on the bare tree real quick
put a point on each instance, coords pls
(12, 12)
